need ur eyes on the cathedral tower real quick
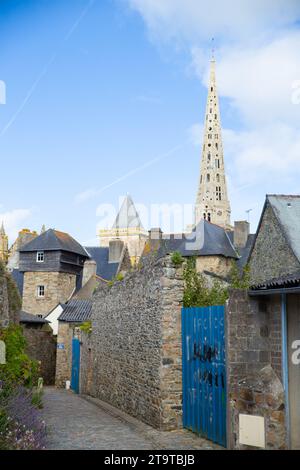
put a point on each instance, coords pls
(212, 201)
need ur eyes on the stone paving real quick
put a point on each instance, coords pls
(77, 422)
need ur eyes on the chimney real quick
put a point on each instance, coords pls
(89, 270)
(241, 233)
(155, 234)
(116, 248)
(155, 237)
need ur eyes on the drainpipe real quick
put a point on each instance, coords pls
(285, 365)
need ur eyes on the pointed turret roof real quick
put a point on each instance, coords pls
(128, 216)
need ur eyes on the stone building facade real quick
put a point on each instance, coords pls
(52, 265)
(135, 345)
(254, 367)
(58, 288)
(271, 239)
(24, 236)
(64, 354)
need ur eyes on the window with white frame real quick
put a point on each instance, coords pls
(41, 291)
(40, 257)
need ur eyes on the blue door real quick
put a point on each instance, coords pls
(204, 372)
(75, 365)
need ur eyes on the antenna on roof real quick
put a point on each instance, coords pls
(248, 214)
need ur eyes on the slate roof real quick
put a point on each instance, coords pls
(77, 311)
(105, 269)
(53, 240)
(30, 318)
(207, 239)
(128, 216)
(291, 280)
(86, 292)
(287, 211)
(245, 252)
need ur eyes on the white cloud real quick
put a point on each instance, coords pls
(252, 155)
(12, 221)
(258, 72)
(259, 82)
(192, 20)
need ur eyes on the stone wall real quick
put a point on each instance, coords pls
(41, 346)
(135, 345)
(215, 264)
(9, 300)
(86, 369)
(4, 303)
(58, 288)
(254, 366)
(64, 354)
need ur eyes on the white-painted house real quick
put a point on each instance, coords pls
(53, 316)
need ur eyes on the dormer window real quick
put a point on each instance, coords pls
(40, 257)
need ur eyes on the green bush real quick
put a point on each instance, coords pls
(86, 327)
(240, 280)
(177, 258)
(19, 368)
(196, 291)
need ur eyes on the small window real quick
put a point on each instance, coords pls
(218, 178)
(208, 177)
(40, 257)
(208, 217)
(41, 291)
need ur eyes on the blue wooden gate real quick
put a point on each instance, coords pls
(204, 372)
(75, 365)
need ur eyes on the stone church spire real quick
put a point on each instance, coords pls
(212, 201)
(3, 244)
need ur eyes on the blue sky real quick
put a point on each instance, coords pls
(97, 89)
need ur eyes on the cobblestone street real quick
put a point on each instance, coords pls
(75, 422)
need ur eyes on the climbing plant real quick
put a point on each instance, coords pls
(19, 368)
(197, 293)
(240, 280)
